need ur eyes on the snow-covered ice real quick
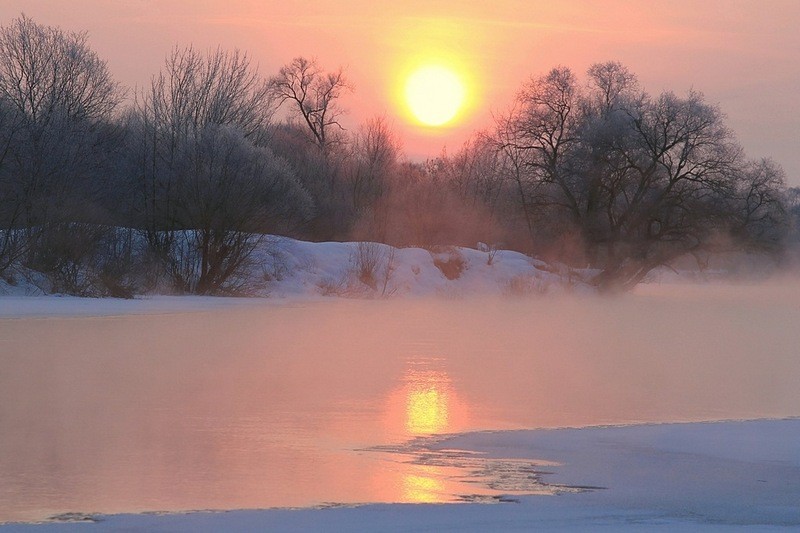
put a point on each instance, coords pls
(668, 477)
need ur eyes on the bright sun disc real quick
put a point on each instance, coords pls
(434, 94)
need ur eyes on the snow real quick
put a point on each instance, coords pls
(299, 268)
(287, 268)
(668, 477)
(738, 473)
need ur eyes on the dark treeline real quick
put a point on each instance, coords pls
(171, 187)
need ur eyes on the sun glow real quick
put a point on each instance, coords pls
(426, 411)
(424, 485)
(427, 402)
(434, 94)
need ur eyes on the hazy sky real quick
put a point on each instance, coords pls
(744, 55)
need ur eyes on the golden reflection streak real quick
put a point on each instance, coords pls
(425, 486)
(427, 402)
(424, 403)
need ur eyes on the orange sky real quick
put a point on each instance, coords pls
(741, 54)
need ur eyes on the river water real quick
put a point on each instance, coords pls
(289, 403)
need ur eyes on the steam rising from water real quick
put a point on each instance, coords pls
(260, 406)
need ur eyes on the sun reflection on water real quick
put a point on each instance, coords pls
(424, 486)
(427, 402)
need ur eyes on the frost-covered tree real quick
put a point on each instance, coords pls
(205, 182)
(793, 210)
(57, 132)
(633, 180)
(193, 90)
(373, 161)
(762, 206)
(228, 193)
(11, 245)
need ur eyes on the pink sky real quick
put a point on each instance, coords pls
(744, 55)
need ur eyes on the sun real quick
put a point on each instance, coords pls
(434, 94)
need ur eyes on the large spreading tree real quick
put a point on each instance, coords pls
(636, 180)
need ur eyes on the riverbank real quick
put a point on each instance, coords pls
(281, 267)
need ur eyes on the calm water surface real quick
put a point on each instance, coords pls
(277, 405)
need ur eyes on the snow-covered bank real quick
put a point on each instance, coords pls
(284, 267)
(687, 477)
(304, 268)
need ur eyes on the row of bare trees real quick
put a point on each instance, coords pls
(181, 184)
(176, 188)
(203, 183)
(59, 141)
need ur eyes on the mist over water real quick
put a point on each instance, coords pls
(262, 406)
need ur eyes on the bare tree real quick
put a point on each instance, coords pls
(537, 139)
(639, 180)
(314, 97)
(507, 143)
(61, 99)
(375, 153)
(58, 101)
(193, 92)
(45, 72)
(547, 130)
(207, 185)
(669, 187)
(475, 172)
(230, 192)
(762, 207)
(324, 176)
(11, 244)
(610, 84)
(216, 87)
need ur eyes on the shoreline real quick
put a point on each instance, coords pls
(652, 476)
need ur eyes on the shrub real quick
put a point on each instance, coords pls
(449, 261)
(84, 259)
(366, 259)
(525, 285)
